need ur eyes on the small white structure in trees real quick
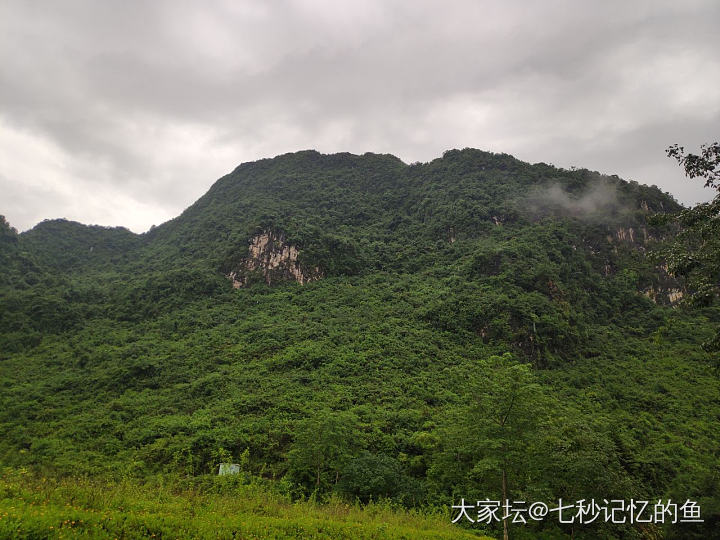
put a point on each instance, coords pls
(229, 468)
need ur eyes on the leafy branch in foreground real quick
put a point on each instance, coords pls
(706, 165)
(695, 253)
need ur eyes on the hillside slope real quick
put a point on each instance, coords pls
(355, 325)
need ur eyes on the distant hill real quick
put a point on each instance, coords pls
(354, 324)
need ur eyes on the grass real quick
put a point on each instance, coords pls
(33, 507)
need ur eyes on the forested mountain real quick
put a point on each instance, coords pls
(355, 325)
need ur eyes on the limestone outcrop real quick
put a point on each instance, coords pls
(271, 258)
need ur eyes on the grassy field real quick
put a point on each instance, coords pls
(33, 507)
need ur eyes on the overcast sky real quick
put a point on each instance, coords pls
(124, 112)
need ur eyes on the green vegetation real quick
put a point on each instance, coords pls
(484, 328)
(694, 253)
(214, 507)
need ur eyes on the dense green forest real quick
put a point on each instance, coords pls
(353, 328)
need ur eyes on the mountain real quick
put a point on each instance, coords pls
(355, 324)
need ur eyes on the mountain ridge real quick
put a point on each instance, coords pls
(245, 166)
(256, 195)
(351, 326)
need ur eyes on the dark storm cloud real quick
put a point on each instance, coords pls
(125, 112)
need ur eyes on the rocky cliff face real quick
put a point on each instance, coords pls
(639, 237)
(668, 290)
(271, 259)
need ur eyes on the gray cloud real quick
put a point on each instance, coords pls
(124, 113)
(599, 199)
